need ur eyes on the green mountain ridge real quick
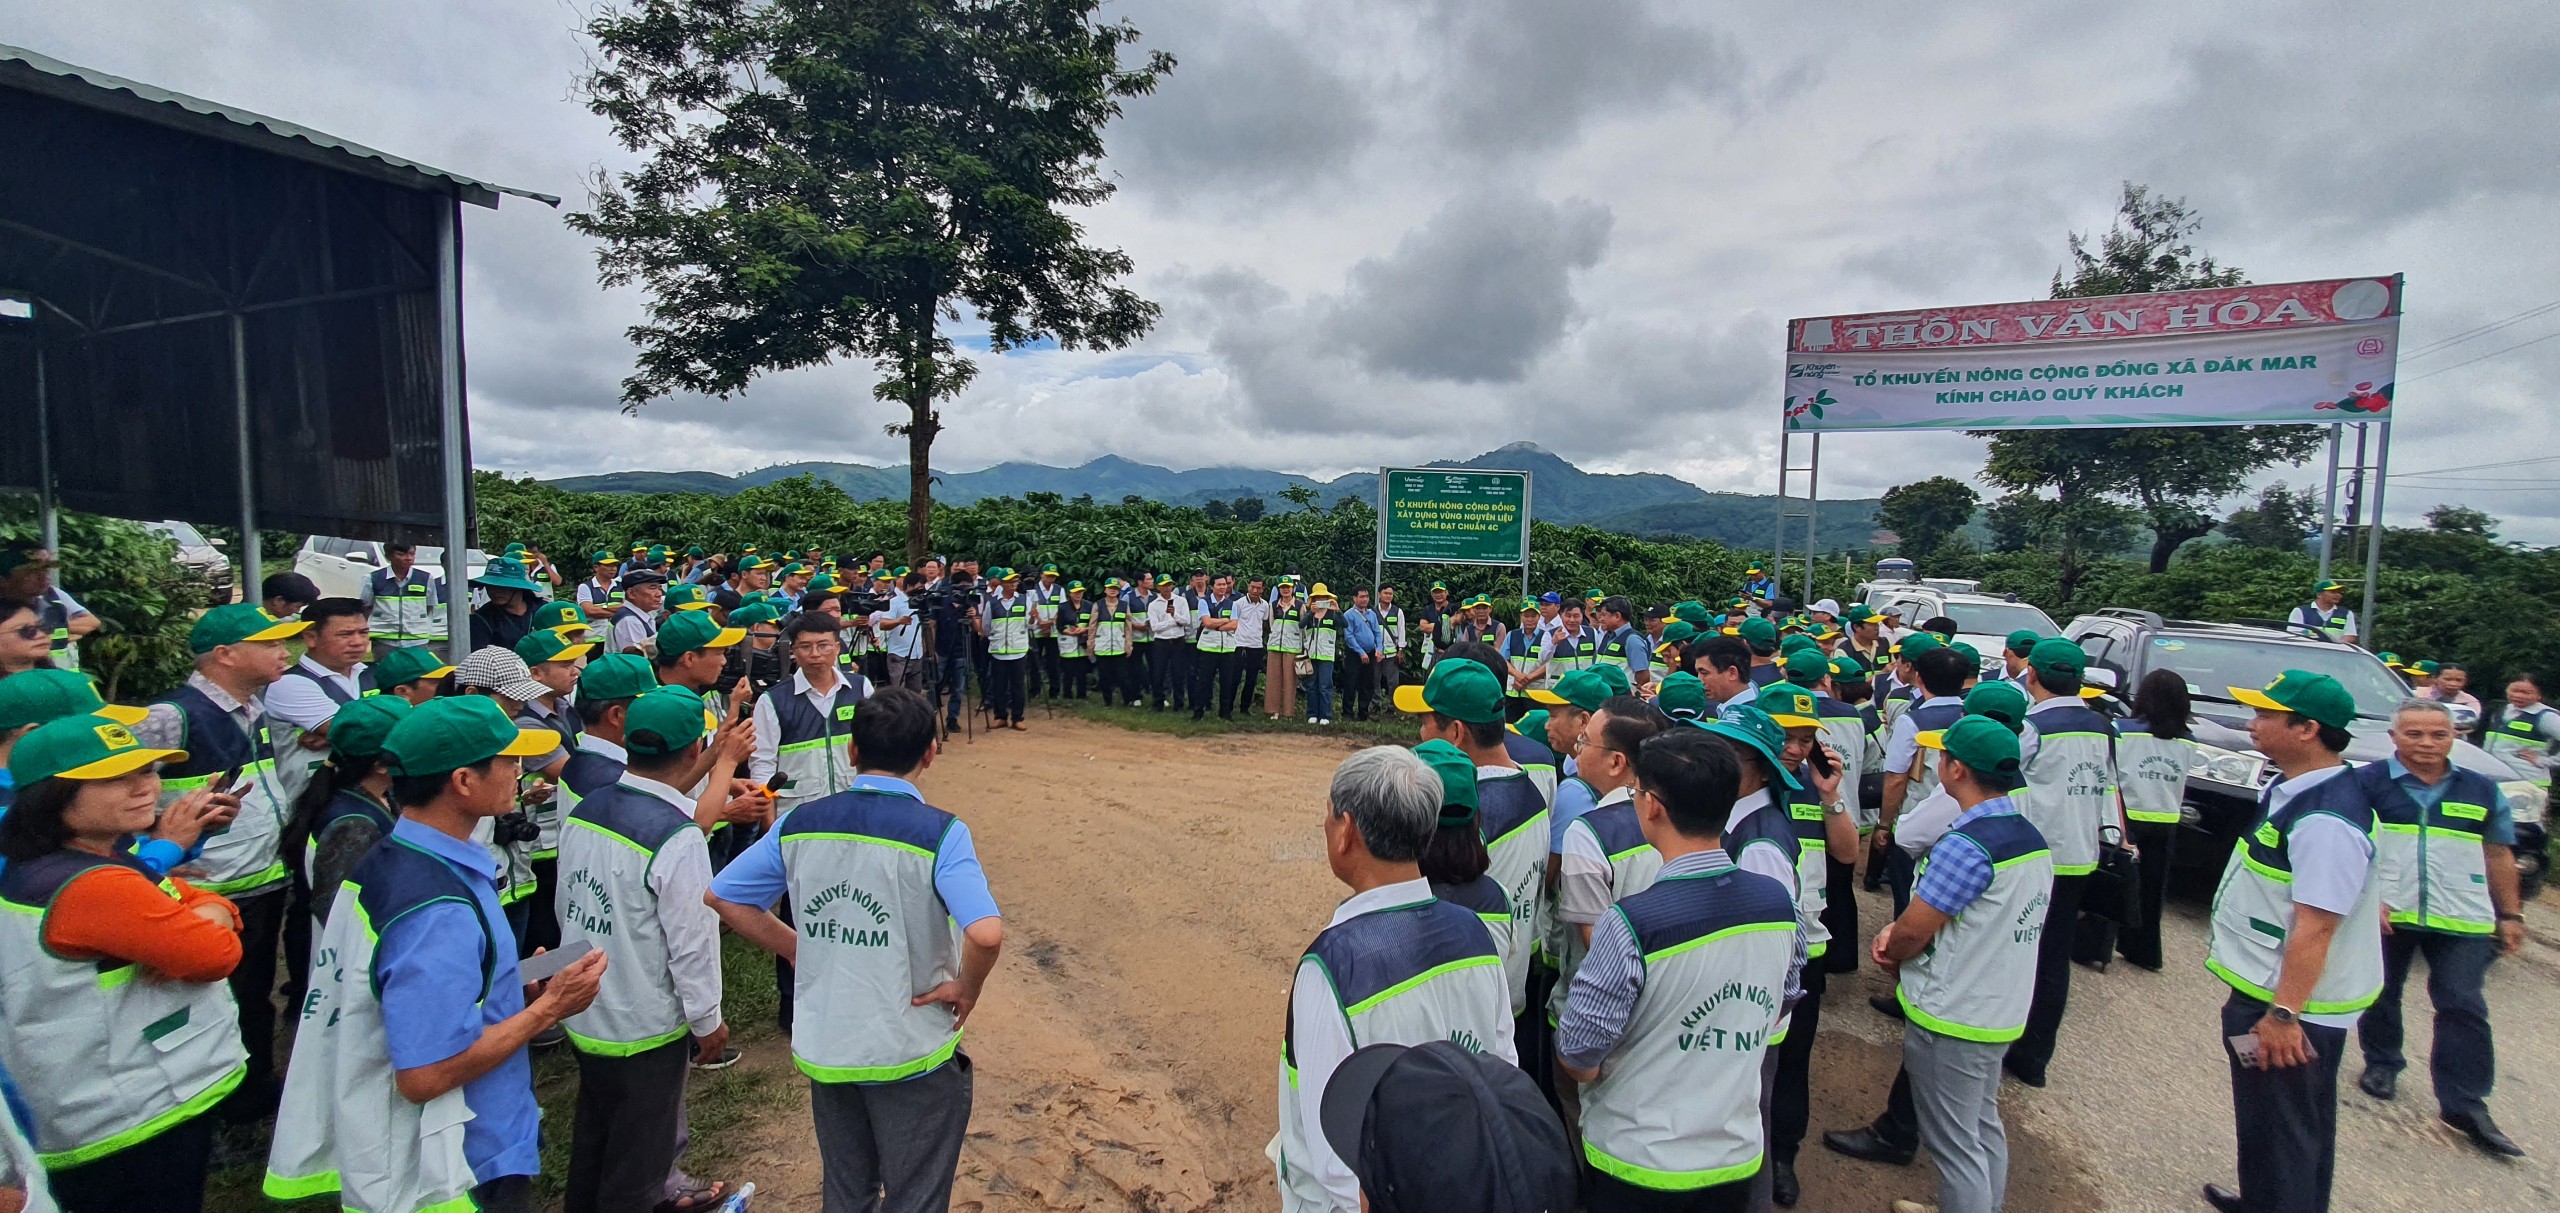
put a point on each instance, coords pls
(1642, 503)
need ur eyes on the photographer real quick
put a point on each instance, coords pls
(901, 636)
(951, 609)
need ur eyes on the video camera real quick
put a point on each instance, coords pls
(863, 604)
(961, 592)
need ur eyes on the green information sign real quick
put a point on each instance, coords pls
(1453, 516)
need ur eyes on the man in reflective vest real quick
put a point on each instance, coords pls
(2294, 936)
(1461, 703)
(1396, 965)
(634, 871)
(1005, 622)
(1678, 999)
(2326, 615)
(219, 717)
(405, 601)
(804, 726)
(895, 935)
(2526, 731)
(1622, 645)
(2070, 796)
(2445, 856)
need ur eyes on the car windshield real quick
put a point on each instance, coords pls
(1997, 618)
(433, 556)
(2212, 665)
(185, 535)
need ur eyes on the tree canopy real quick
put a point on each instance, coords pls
(824, 180)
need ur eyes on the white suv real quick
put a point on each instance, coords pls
(1982, 620)
(340, 567)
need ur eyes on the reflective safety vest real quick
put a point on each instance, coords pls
(350, 802)
(2151, 773)
(2070, 792)
(1614, 645)
(1512, 815)
(1110, 630)
(406, 610)
(1520, 652)
(2331, 624)
(1045, 601)
(56, 617)
(1484, 898)
(1845, 727)
(2430, 862)
(1133, 603)
(1407, 975)
(605, 898)
(1391, 630)
(1578, 651)
(344, 1128)
(247, 857)
(295, 764)
(1212, 640)
(1677, 1105)
(2253, 907)
(873, 935)
(2516, 735)
(1977, 976)
(1072, 615)
(107, 1055)
(1535, 760)
(1773, 826)
(815, 747)
(1929, 718)
(1633, 863)
(1323, 636)
(1008, 627)
(1805, 814)
(627, 611)
(563, 723)
(1288, 629)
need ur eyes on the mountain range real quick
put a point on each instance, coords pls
(1640, 503)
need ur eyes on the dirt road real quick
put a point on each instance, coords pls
(1157, 892)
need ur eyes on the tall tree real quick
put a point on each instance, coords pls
(2462, 520)
(824, 180)
(2175, 476)
(1924, 514)
(2281, 520)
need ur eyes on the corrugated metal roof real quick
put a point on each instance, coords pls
(87, 86)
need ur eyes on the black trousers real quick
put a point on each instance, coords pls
(297, 935)
(1004, 688)
(1075, 675)
(1606, 1193)
(1900, 1124)
(1249, 663)
(542, 916)
(2100, 939)
(1840, 917)
(2034, 1050)
(1046, 676)
(1110, 675)
(1213, 682)
(253, 987)
(2465, 1061)
(1363, 691)
(1900, 869)
(1185, 655)
(2287, 1119)
(164, 1174)
(1789, 1101)
(624, 1138)
(1162, 676)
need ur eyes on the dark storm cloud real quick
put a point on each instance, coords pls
(1521, 75)
(1249, 111)
(1477, 294)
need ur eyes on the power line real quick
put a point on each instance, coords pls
(2477, 467)
(2482, 358)
(2481, 330)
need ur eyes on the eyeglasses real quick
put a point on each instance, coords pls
(813, 646)
(33, 631)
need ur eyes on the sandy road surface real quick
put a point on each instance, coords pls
(1157, 892)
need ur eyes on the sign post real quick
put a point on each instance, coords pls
(1452, 516)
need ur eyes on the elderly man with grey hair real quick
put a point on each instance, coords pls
(1395, 966)
(2445, 855)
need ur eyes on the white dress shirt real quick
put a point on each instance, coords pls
(1168, 618)
(301, 703)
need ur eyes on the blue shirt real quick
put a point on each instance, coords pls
(2498, 831)
(1959, 873)
(428, 966)
(1573, 799)
(757, 877)
(1360, 630)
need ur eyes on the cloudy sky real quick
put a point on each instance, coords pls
(1394, 230)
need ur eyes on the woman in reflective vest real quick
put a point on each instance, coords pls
(1323, 636)
(2153, 754)
(348, 803)
(115, 1016)
(1287, 639)
(1107, 632)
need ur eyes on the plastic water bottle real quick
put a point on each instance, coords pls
(738, 1203)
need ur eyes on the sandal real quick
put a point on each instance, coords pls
(695, 1198)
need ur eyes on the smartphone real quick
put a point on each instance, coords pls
(222, 782)
(547, 965)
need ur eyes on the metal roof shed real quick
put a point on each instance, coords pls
(212, 315)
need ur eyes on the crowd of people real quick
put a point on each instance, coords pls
(1592, 913)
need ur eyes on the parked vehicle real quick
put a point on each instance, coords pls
(201, 557)
(2227, 772)
(1982, 620)
(340, 567)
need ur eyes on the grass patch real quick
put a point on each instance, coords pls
(720, 1103)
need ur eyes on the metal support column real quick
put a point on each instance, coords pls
(48, 513)
(2329, 506)
(2373, 536)
(1812, 501)
(1778, 545)
(456, 438)
(1787, 470)
(251, 572)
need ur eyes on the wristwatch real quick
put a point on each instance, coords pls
(2282, 1014)
(2504, 917)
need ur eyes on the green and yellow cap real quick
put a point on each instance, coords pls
(1985, 746)
(1458, 689)
(541, 645)
(1913, 645)
(359, 728)
(750, 562)
(1614, 677)
(1805, 667)
(687, 598)
(1845, 666)
(754, 613)
(663, 721)
(1757, 630)
(37, 696)
(2000, 700)
(1679, 631)
(85, 746)
(690, 631)
(1793, 707)
(1756, 729)
(2312, 696)
(557, 616)
(1682, 696)
(1584, 689)
(606, 558)
(400, 667)
(616, 676)
(2022, 642)
(458, 731)
(2326, 586)
(1075, 585)
(1457, 772)
(238, 623)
